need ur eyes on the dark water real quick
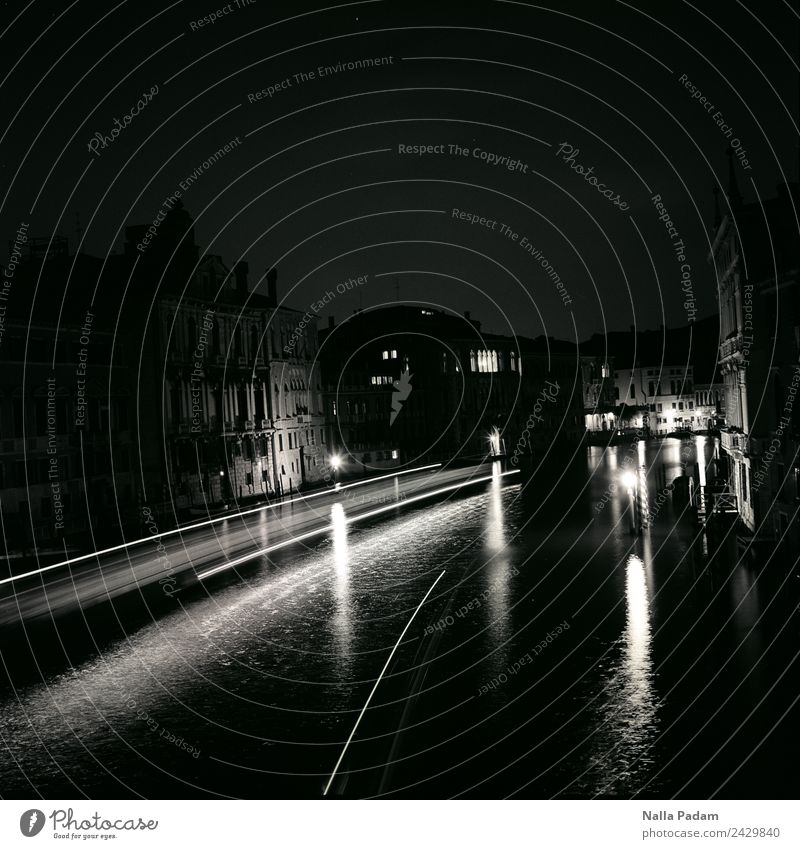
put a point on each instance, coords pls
(571, 659)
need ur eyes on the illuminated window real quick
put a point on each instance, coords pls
(473, 362)
(394, 354)
(385, 355)
(394, 454)
(513, 358)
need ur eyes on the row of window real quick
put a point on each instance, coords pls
(294, 438)
(491, 361)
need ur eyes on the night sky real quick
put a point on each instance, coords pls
(317, 183)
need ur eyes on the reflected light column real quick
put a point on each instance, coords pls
(341, 624)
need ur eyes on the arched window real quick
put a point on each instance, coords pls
(513, 358)
(500, 364)
(494, 361)
(385, 355)
(473, 364)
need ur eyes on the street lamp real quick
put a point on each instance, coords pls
(335, 462)
(630, 481)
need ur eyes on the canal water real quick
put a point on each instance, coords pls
(558, 655)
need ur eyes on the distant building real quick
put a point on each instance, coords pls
(650, 383)
(405, 385)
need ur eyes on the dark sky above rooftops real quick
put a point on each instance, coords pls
(317, 182)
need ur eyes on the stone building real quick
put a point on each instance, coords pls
(756, 256)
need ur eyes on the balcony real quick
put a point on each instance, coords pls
(739, 444)
(730, 347)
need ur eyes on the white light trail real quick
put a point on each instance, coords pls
(348, 520)
(225, 518)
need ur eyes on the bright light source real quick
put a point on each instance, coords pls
(336, 461)
(628, 480)
(221, 473)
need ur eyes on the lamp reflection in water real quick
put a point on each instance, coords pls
(628, 720)
(497, 568)
(340, 622)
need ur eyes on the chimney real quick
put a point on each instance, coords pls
(330, 322)
(240, 271)
(272, 286)
(466, 315)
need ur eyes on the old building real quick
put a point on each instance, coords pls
(650, 385)
(406, 385)
(240, 419)
(756, 256)
(66, 408)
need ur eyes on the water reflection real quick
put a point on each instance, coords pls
(341, 621)
(629, 716)
(498, 566)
